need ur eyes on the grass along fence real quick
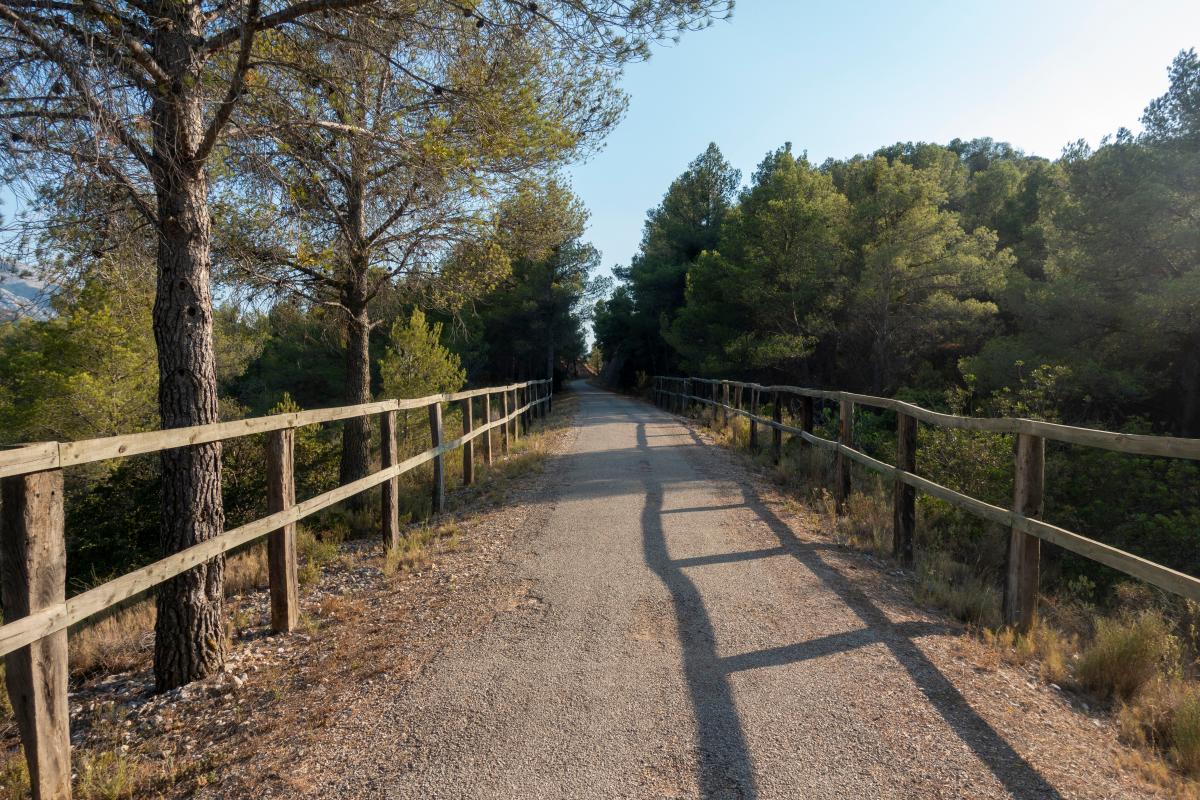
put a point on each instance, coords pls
(33, 546)
(1027, 531)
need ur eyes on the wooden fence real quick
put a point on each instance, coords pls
(33, 550)
(1027, 530)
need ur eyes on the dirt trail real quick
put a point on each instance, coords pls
(674, 637)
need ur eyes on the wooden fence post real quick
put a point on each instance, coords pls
(725, 402)
(550, 396)
(1024, 551)
(904, 497)
(776, 434)
(516, 420)
(841, 479)
(504, 427)
(281, 543)
(468, 449)
(519, 419)
(487, 417)
(439, 461)
(390, 498)
(753, 424)
(33, 560)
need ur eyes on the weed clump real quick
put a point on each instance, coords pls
(1125, 655)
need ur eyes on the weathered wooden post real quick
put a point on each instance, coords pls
(724, 402)
(506, 423)
(468, 449)
(841, 480)
(754, 413)
(439, 463)
(281, 543)
(390, 497)
(550, 395)
(487, 418)
(1024, 550)
(516, 421)
(33, 575)
(777, 418)
(904, 496)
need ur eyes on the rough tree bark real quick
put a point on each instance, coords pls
(356, 433)
(189, 635)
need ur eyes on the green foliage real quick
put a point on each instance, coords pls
(970, 278)
(922, 281)
(630, 329)
(531, 325)
(769, 294)
(301, 355)
(87, 371)
(416, 363)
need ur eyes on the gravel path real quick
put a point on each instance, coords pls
(675, 638)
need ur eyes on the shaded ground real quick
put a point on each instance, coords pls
(659, 627)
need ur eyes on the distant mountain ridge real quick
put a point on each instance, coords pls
(22, 295)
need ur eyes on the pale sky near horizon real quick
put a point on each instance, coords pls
(846, 78)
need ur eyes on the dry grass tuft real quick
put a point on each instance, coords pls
(116, 643)
(315, 551)
(106, 776)
(1042, 643)
(6, 709)
(1165, 716)
(867, 520)
(246, 571)
(413, 551)
(1126, 654)
(14, 776)
(958, 590)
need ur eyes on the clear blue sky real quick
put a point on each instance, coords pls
(841, 78)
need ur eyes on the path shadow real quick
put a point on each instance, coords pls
(725, 767)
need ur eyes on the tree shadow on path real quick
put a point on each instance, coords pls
(725, 765)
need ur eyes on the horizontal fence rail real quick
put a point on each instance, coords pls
(33, 552)
(1029, 464)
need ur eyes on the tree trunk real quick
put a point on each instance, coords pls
(189, 632)
(1189, 423)
(356, 432)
